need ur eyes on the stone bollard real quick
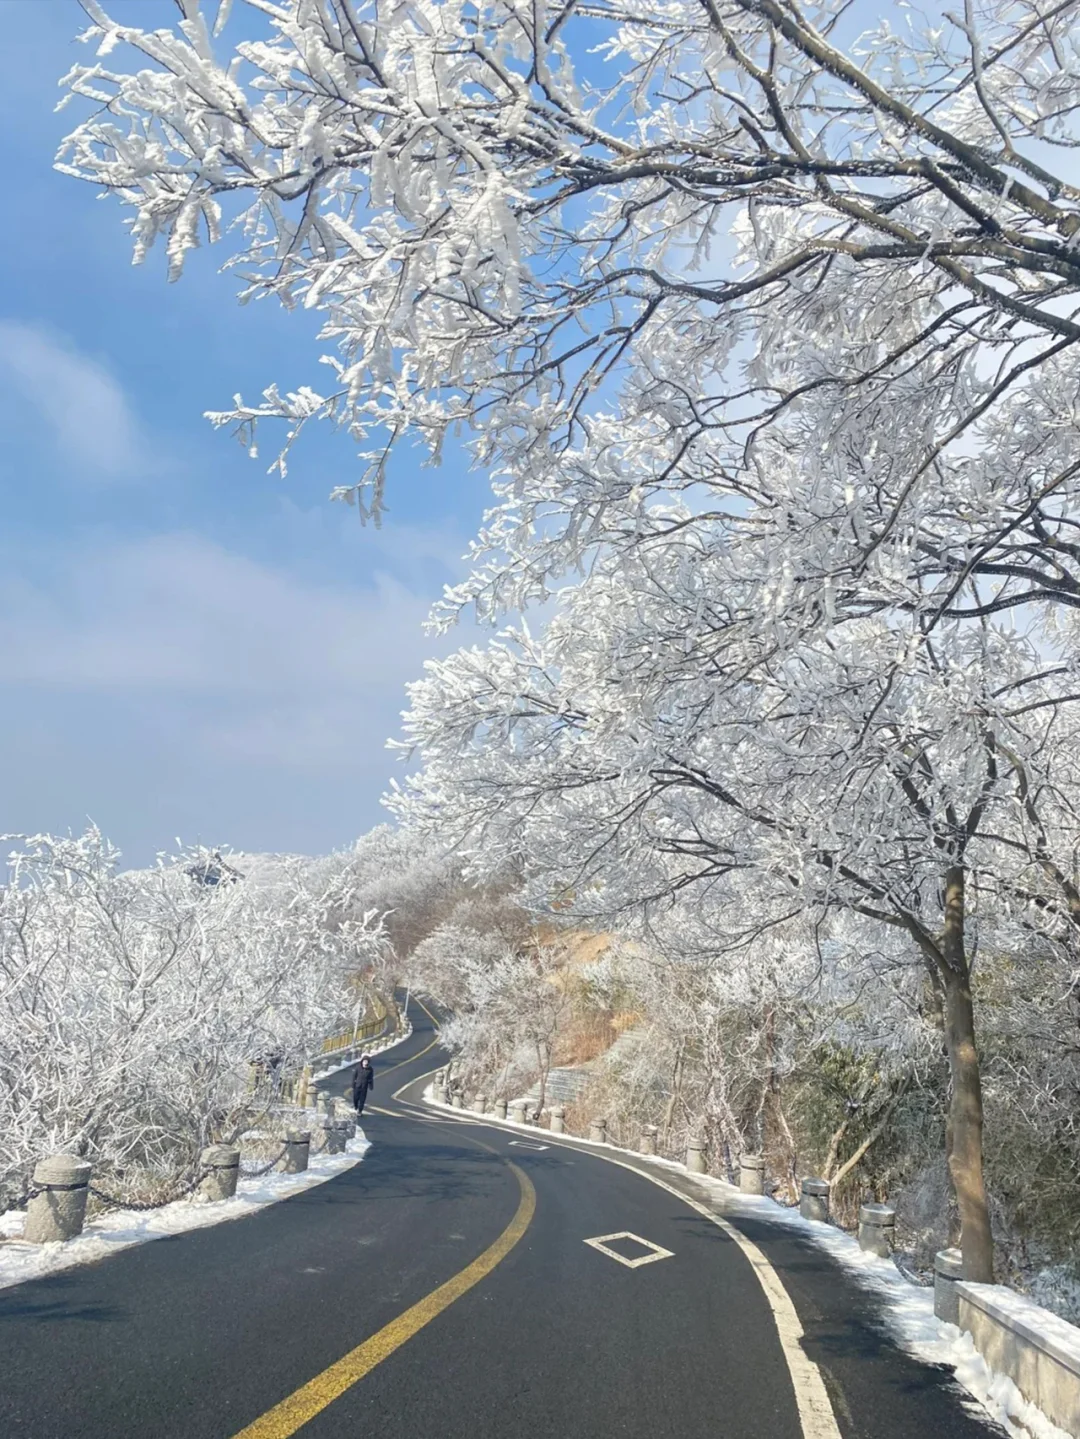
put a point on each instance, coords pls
(335, 1137)
(695, 1156)
(558, 1119)
(517, 1111)
(948, 1271)
(814, 1203)
(648, 1139)
(223, 1162)
(440, 1093)
(598, 1131)
(500, 1109)
(457, 1099)
(347, 1127)
(58, 1212)
(877, 1224)
(479, 1104)
(319, 1138)
(752, 1174)
(297, 1147)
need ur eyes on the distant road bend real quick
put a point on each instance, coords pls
(465, 1282)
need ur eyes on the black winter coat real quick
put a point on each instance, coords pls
(363, 1079)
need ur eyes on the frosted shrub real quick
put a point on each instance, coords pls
(134, 1005)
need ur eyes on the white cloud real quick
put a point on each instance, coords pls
(281, 670)
(82, 404)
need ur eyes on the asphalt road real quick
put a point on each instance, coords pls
(199, 1335)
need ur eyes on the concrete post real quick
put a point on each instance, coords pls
(558, 1119)
(320, 1101)
(517, 1111)
(58, 1212)
(457, 1099)
(297, 1147)
(335, 1137)
(439, 1093)
(877, 1225)
(479, 1104)
(695, 1155)
(500, 1109)
(319, 1137)
(648, 1139)
(948, 1271)
(223, 1162)
(814, 1203)
(346, 1124)
(598, 1131)
(752, 1174)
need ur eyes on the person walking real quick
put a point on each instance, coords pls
(363, 1081)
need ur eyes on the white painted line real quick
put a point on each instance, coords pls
(524, 1144)
(815, 1408)
(657, 1252)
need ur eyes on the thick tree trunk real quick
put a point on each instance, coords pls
(966, 1105)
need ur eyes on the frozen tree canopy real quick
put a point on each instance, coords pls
(134, 1004)
(765, 326)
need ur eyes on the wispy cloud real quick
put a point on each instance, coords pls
(282, 670)
(81, 403)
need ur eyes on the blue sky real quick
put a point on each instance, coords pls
(189, 648)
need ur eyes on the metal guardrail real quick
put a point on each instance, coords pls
(349, 1038)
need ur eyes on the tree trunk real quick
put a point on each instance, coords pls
(543, 1061)
(883, 1117)
(966, 1105)
(676, 1094)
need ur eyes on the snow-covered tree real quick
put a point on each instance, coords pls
(767, 326)
(670, 731)
(138, 1008)
(510, 1001)
(635, 250)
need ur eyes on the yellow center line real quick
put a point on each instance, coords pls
(391, 1067)
(291, 1414)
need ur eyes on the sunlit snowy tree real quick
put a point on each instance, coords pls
(766, 324)
(137, 1008)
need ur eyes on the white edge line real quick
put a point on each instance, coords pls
(811, 1397)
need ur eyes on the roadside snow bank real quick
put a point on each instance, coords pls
(121, 1228)
(908, 1309)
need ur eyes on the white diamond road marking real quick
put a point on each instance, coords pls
(657, 1253)
(524, 1144)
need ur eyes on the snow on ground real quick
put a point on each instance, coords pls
(120, 1228)
(908, 1309)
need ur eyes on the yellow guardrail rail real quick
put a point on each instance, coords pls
(347, 1038)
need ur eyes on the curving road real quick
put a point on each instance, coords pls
(445, 1289)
